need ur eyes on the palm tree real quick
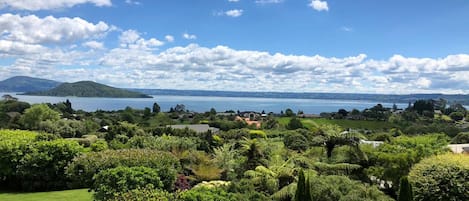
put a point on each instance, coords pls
(251, 148)
(335, 136)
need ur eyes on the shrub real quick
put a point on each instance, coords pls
(43, 165)
(99, 145)
(441, 177)
(456, 116)
(144, 194)
(163, 143)
(34, 165)
(123, 129)
(82, 169)
(123, 179)
(210, 194)
(333, 188)
(294, 124)
(257, 134)
(296, 141)
(12, 146)
(461, 138)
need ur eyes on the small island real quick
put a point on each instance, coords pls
(88, 89)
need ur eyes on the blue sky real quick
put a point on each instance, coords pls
(246, 45)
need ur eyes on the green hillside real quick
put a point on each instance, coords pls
(88, 89)
(26, 84)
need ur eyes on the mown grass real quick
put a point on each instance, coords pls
(344, 123)
(68, 195)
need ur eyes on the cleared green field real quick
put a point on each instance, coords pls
(344, 123)
(68, 195)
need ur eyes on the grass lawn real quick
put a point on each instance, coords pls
(344, 123)
(68, 195)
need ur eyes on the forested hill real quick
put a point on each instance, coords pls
(26, 84)
(88, 89)
(383, 98)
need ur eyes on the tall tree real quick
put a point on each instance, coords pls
(303, 191)
(156, 108)
(405, 190)
(36, 114)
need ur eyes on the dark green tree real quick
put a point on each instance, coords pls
(303, 191)
(405, 190)
(289, 112)
(300, 187)
(156, 108)
(294, 124)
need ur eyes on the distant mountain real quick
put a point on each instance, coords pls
(380, 98)
(26, 84)
(88, 89)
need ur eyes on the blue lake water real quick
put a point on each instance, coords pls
(204, 103)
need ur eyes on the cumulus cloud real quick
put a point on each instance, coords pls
(94, 45)
(189, 36)
(169, 38)
(34, 5)
(319, 5)
(234, 13)
(131, 39)
(34, 30)
(224, 68)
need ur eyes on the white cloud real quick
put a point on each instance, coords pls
(134, 64)
(132, 2)
(423, 82)
(223, 68)
(169, 38)
(34, 5)
(268, 1)
(94, 45)
(34, 30)
(319, 5)
(131, 39)
(233, 0)
(346, 29)
(189, 36)
(234, 13)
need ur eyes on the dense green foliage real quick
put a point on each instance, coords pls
(393, 160)
(88, 89)
(36, 114)
(461, 138)
(82, 169)
(333, 188)
(442, 177)
(119, 149)
(33, 165)
(108, 182)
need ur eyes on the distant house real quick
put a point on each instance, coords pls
(459, 148)
(372, 143)
(250, 114)
(104, 129)
(199, 128)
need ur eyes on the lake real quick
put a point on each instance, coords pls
(204, 103)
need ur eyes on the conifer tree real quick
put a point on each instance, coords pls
(405, 190)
